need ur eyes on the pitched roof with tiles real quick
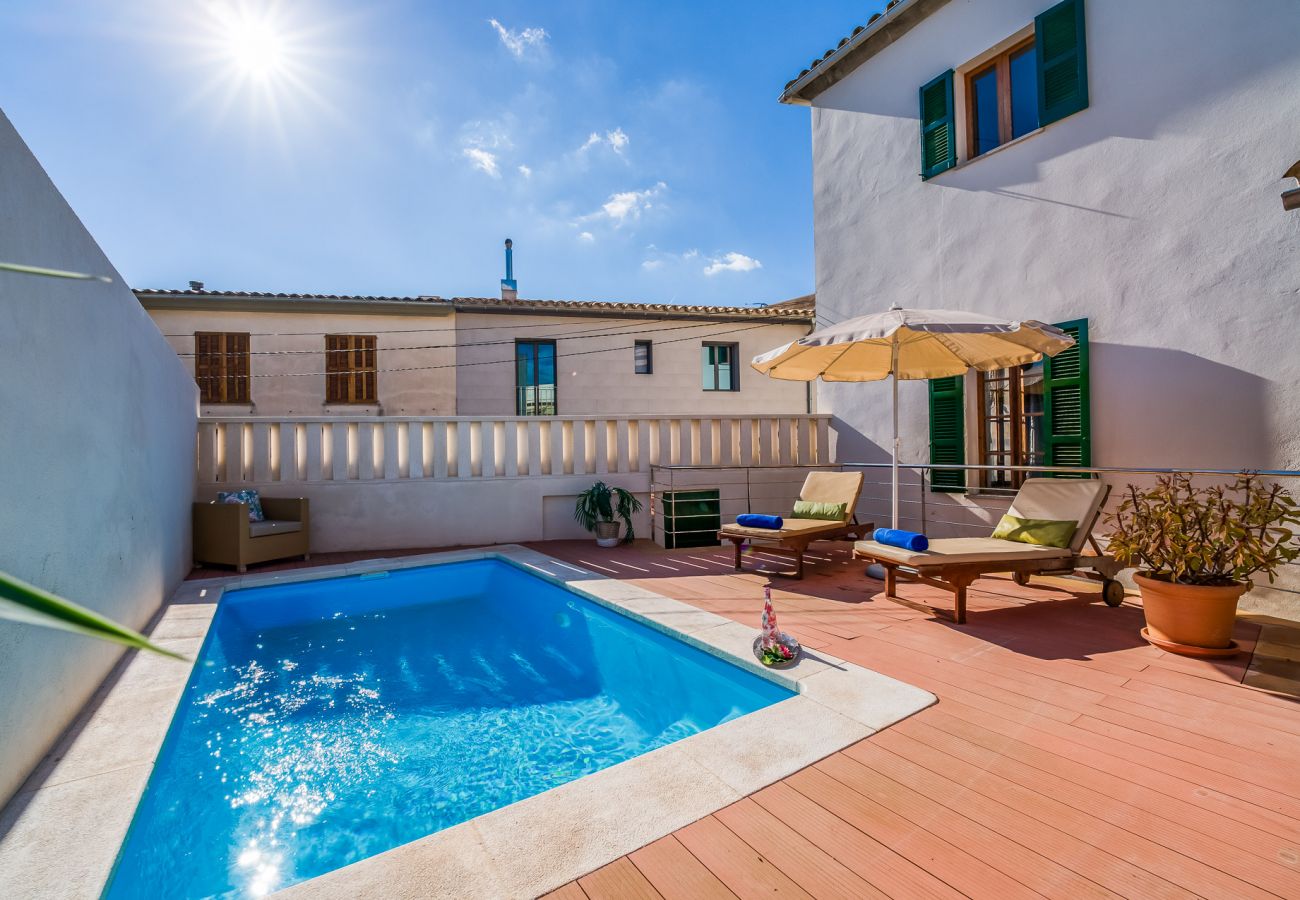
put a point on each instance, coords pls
(864, 42)
(793, 310)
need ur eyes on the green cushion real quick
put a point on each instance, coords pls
(807, 509)
(1043, 532)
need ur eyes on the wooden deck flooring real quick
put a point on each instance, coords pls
(1065, 758)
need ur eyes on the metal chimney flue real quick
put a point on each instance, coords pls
(509, 287)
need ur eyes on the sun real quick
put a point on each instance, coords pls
(254, 44)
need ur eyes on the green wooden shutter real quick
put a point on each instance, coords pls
(1065, 402)
(1062, 61)
(938, 132)
(947, 433)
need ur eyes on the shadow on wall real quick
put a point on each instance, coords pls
(1158, 407)
(852, 445)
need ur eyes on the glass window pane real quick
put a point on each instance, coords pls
(724, 376)
(709, 374)
(1024, 92)
(984, 110)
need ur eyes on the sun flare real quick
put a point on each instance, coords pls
(254, 47)
(251, 41)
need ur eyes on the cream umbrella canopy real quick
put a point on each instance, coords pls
(911, 344)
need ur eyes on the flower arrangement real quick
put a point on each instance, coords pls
(1216, 535)
(774, 647)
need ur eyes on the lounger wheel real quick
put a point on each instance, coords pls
(1112, 592)
(1020, 578)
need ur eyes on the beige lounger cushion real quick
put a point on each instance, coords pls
(1060, 499)
(800, 527)
(833, 487)
(953, 551)
(273, 526)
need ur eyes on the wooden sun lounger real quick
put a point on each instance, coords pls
(796, 534)
(953, 563)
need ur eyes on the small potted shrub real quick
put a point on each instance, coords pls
(1196, 550)
(598, 505)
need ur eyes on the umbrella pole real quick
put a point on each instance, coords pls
(894, 466)
(875, 570)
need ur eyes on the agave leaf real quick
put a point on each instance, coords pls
(23, 602)
(51, 273)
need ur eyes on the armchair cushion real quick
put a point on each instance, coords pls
(249, 497)
(272, 526)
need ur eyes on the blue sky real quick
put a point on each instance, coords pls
(633, 150)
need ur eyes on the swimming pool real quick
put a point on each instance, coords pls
(331, 720)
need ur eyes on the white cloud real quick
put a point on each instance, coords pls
(483, 160)
(525, 171)
(518, 42)
(651, 264)
(586, 237)
(628, 205)
(616, 139)
(732, 262)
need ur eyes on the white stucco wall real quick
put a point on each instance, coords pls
(595, 374)
(1154, 213)
(97, 424)
(416, 359)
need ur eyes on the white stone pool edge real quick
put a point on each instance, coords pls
(60, 837)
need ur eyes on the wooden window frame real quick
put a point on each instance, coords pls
(1001, 62)
(520, 406)
(735, 367)
(1017, 422)
(223, 374)
(649, 358)
(351, 370)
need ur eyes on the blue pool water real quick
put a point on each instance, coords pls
(331, 720)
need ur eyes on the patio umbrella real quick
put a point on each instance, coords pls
(911, 344)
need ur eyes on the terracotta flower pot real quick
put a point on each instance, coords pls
(607, 533)
(1192, 619)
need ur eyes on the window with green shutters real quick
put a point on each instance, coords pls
(1038, 80)
(938, 138)
(947, 433)
(1066, 401)
(1062, 61)
(1033, 415)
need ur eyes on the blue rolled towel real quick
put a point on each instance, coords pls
(753, 520)
(896, 537)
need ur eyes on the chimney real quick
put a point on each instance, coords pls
(509, 287)
(196, 285)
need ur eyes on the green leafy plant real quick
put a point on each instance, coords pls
(1217, 535)
(601, 503)
(51, 273)
(23, 602)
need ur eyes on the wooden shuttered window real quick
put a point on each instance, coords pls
(1062, 61)
(938, 131)
(1066, 414)
(350, 369)
(221, 367)
(947, 433)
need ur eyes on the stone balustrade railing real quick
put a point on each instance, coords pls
(233, 450)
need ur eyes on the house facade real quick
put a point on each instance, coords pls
(317, 355)
(1109, 166)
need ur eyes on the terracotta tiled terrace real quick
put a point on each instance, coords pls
(1065, 758)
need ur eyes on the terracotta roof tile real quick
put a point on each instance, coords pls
(847, 45)
(788, 309)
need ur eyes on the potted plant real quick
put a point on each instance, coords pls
(598, 505)
(1196, 550)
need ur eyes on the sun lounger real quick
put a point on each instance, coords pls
(953, 563)
(793, 538)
